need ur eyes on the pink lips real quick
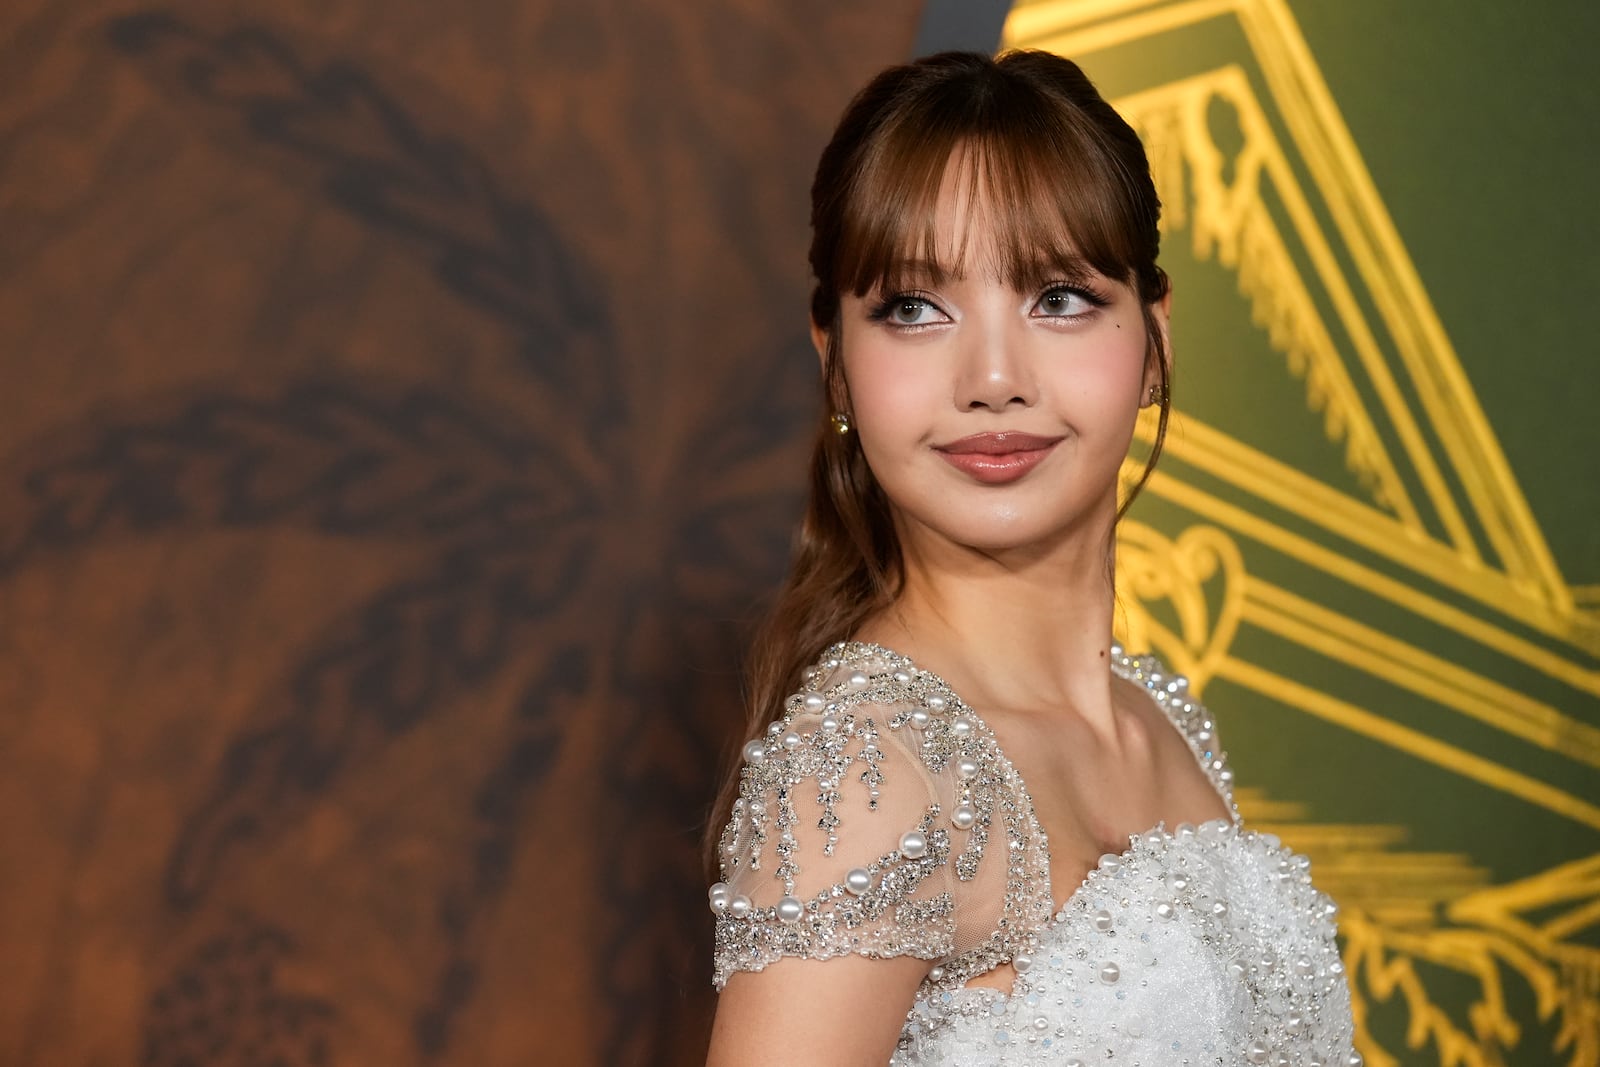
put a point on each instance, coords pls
(997, 458)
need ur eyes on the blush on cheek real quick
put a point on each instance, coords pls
(892, 401)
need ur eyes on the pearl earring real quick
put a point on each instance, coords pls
(841, 422)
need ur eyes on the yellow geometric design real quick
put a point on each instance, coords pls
(1430, 581)
(1230, 221)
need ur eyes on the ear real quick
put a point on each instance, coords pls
(1161, 313)
(819, 341)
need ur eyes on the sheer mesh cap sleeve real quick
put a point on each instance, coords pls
(862, 827)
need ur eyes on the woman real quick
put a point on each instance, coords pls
(975, 865)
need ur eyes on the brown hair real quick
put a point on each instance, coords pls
(1069, 185)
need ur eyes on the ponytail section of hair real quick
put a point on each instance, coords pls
(846, 567)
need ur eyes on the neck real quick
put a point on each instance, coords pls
(1024, 630)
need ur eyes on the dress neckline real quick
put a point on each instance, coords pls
(855, 650)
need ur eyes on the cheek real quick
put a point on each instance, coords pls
(1104, 378)
(894, 395)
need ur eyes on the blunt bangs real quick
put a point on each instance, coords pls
(1059, 201)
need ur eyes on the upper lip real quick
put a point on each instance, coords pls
(999, 444)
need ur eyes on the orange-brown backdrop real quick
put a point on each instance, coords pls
(401, 408)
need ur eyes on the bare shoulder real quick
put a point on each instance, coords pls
(1182, 732)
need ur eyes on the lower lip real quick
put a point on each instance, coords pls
(996, 469)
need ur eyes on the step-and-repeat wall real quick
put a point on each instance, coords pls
(404, 410)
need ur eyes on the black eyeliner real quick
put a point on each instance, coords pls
(880, 311)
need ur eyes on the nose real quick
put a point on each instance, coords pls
(993, 373)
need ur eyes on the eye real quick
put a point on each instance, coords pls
(1067, 302)
(906, 310)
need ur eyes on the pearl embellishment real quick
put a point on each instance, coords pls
(1111, 976)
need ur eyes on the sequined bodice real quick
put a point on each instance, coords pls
(879, 817)
(1208, 946)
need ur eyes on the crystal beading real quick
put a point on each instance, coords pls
(1203, 945)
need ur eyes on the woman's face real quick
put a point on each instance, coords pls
(996, 418)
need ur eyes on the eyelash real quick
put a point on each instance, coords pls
(880, 311)
(1093, 297)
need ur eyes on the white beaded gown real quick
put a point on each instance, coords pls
(879, 817)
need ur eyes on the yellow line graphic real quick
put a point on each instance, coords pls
(1445, 683)
(1413, 742)
(1539, 616)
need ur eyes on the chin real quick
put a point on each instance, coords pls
(985, 522)
(996, 534)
